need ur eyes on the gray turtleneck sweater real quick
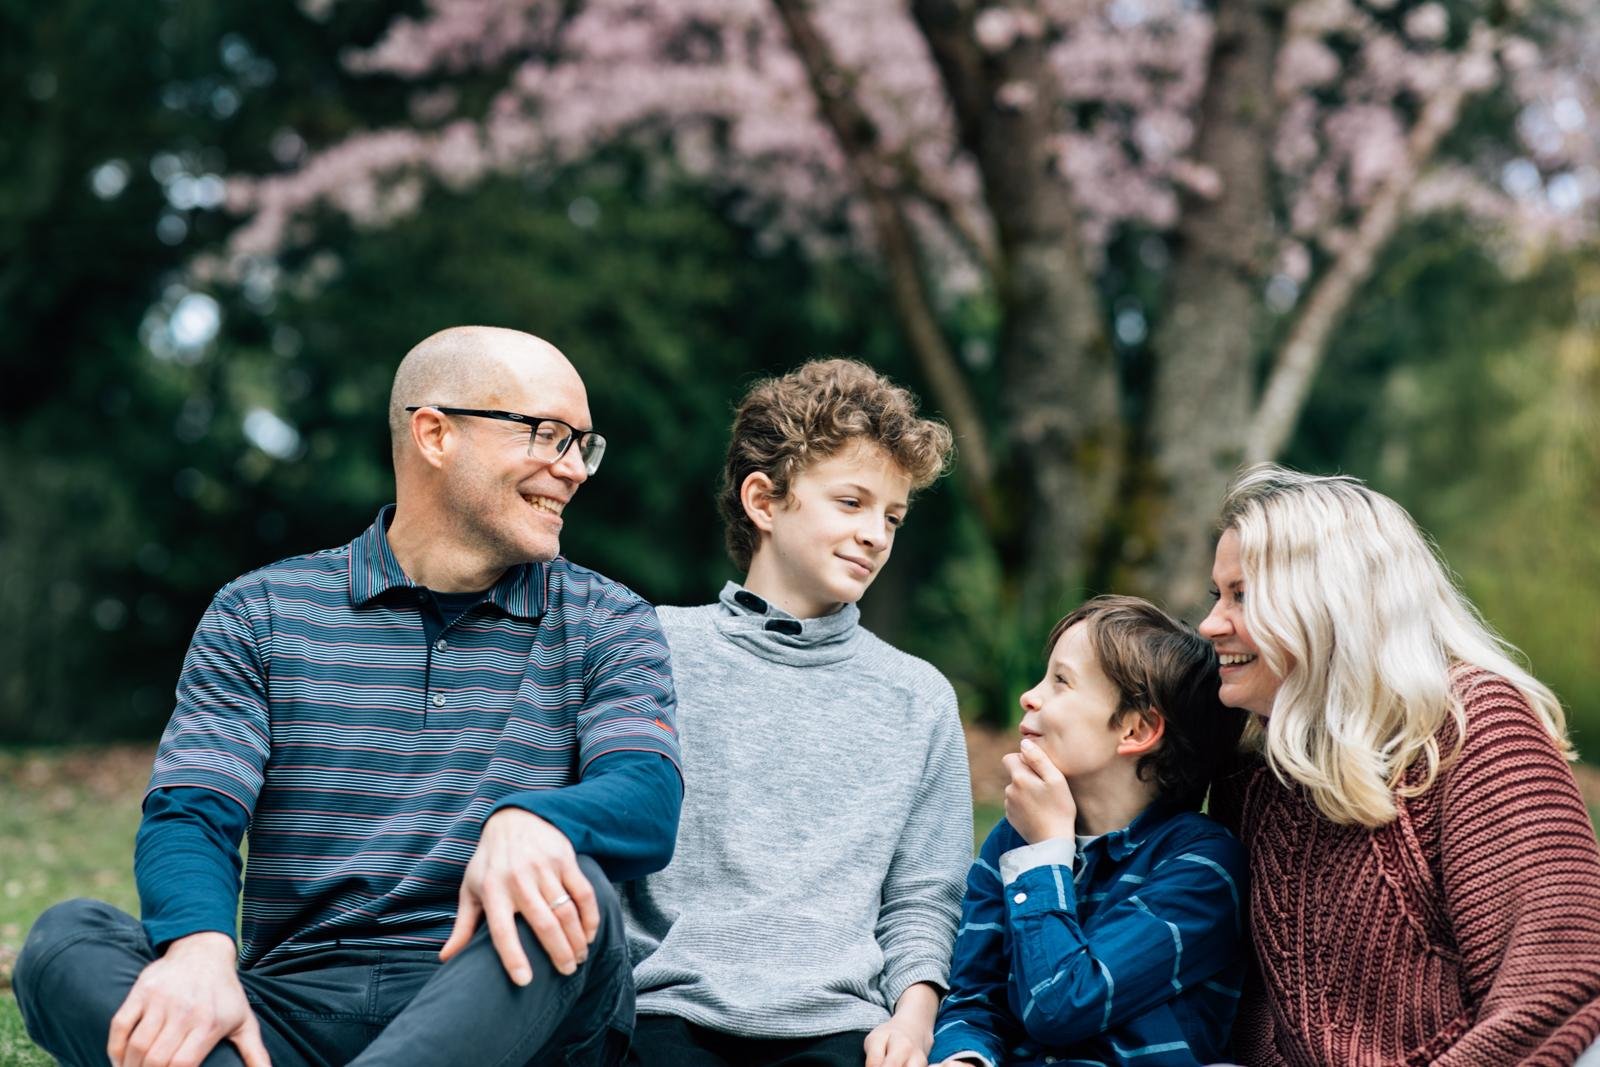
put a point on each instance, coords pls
(826, 827)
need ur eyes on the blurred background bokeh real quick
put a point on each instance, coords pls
(1121, 245)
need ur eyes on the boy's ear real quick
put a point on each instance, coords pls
(1142, 732)
(755, 493)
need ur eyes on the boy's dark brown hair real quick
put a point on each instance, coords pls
(784, 425)
(1162, 666)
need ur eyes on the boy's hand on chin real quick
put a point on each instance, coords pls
(1039, 803)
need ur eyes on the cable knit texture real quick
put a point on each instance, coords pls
(1465, 933)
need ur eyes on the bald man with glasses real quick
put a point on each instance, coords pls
(445, 741)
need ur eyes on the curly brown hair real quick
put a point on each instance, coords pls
(1162, 665)
(784, 425)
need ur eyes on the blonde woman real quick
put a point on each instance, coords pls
(1425, 885)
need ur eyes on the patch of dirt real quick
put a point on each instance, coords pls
(59, 777)
(985, 746)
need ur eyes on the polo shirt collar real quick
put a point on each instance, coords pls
(374, 571)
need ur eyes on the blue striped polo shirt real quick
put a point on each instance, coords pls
(368, 757)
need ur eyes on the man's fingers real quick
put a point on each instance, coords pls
(248, 1040)
(547, 929)
(196, 1045)
(467, 912)
(164, 1050)
(144, 1037)
(563, 907)
(122, 1024)
(502, 920)
(583, 899)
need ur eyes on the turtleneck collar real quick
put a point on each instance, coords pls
(772, 633)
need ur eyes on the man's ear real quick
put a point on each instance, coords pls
(431, 433)
(1142, 732)
(755, 493)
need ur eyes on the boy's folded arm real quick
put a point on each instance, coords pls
(1181, 928)
(921, 900)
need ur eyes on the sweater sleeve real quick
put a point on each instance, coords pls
(1521, 882)
(922, 888)
(975, 1017)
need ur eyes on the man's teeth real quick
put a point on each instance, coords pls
(1233, 659)
(543, 504)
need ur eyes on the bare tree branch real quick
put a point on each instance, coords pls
(974, 240)
(858, 139)
(1303, 350)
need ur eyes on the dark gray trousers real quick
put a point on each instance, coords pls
(339, 1006)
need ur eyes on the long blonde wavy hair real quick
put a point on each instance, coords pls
(1350, 604)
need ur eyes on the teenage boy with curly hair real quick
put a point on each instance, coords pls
(810, 909)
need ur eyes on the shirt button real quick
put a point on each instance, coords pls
(438, 700)
(440, 645)
(1049, 1059)
(1019, 898)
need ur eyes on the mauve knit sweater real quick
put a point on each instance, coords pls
(1465, 932)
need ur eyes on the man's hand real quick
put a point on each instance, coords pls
(905, 1039)
(524, 866)
(182, 1005)
(1039, 803)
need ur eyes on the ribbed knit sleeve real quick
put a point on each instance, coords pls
(1520, 876)
(922, 888)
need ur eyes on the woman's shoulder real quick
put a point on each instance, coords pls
(1495, 712)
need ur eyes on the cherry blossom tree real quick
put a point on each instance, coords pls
(1268, 151)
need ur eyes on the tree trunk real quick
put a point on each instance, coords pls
(1209, 334)
(1061, 406)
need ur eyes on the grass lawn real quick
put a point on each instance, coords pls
(67, 820)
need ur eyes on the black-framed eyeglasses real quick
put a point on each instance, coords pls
(548, 439)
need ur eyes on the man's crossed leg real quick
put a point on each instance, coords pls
(363, 1006)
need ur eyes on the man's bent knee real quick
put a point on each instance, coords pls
(60, 929)
(63, 961)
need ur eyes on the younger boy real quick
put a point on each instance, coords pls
(810, 908)
(1102, 922)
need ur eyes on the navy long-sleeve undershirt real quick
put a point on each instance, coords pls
(623, 813)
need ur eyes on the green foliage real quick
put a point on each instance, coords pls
(134, 490)
(1472, 396)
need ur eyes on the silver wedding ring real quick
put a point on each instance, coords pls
(564, 898)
